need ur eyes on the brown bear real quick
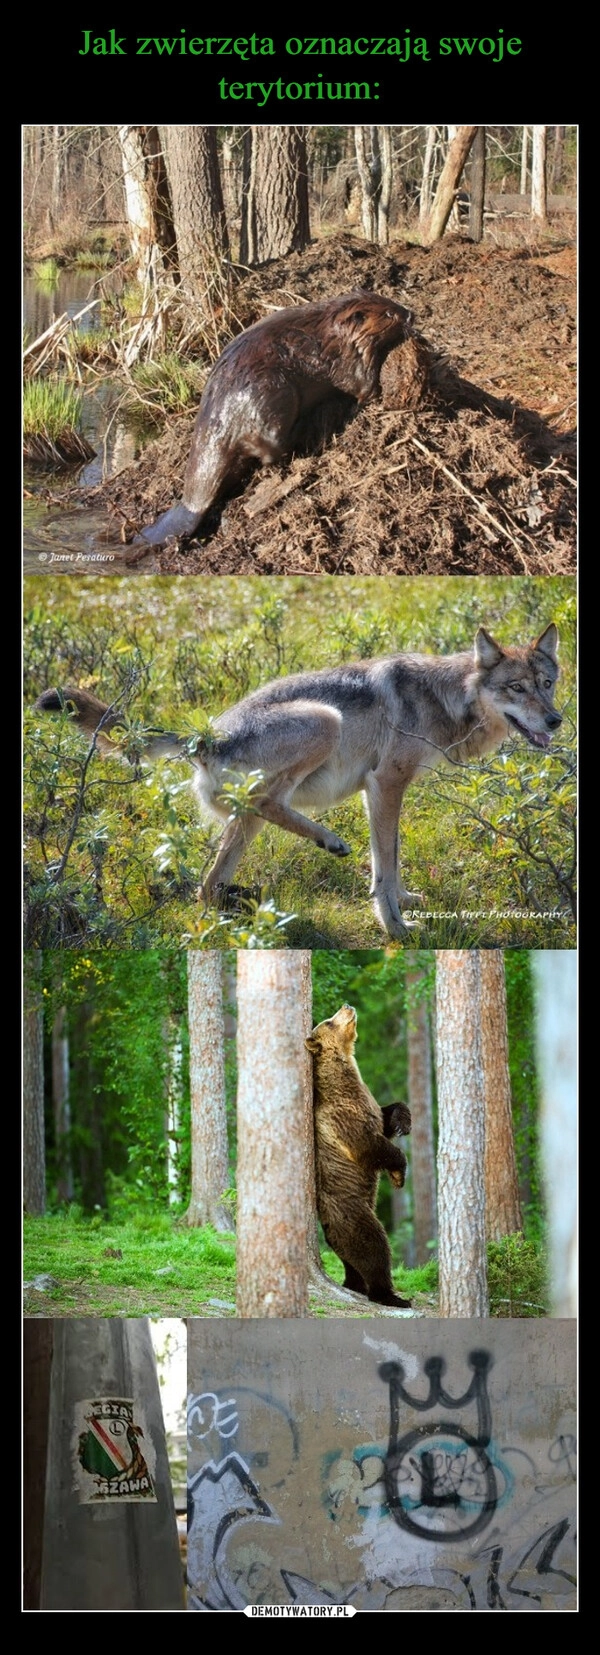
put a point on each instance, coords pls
(352, 1137)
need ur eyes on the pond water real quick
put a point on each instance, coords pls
(58, 537)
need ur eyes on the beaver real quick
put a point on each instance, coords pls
(266, 381)
(352, 1139)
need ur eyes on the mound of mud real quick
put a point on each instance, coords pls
(466, 464)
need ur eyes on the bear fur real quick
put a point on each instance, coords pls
(352, 1140)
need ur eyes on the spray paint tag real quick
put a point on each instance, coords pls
(112, 1454)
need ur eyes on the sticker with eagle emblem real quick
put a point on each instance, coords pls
(113, 1458)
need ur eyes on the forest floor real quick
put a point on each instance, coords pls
(465, 466)
(153, 1265)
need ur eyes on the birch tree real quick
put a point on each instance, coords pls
(210, 1163)
(461, 1139)
(273, 1143)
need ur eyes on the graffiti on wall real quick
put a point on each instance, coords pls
(480, 1518)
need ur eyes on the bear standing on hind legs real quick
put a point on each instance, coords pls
(352, 1138)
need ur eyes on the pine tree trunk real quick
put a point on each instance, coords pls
(272, 1252)
(422, 1151)
(461, 1142)
(274, 194)
(210, 1161)
(34, 1155)
(502, 1204)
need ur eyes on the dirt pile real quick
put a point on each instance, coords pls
(465, 465)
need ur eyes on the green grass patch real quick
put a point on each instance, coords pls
(47, 274)
(167, 386)
(150, 1265)
(51, 420)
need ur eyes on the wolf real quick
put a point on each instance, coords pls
(316, 738)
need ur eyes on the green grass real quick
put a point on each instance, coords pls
(51, 420)
(167, 385)
(47, 274)
(73, 1250)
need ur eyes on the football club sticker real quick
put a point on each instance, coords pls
(113, 1458)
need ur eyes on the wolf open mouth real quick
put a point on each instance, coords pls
(536, 738)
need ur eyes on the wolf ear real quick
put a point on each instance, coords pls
(547, 643)
(487, 652)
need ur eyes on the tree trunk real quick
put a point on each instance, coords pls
(524, 160)
(558, 157)
(461, 1142)
(147, 203)
(477, 186)
(61, 1105)
(38, 1337)
(34, 1154)
(539, 198)
(502, 1205)
(448, 183)
(210, 1161)
(556, 1036)
(425, 198)
(274, 194)
(198, 209)
(422, 1151)
(272, 1252)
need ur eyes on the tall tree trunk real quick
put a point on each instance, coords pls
(61, 1105)
(210, 1160)
(502, 1204)
(198, 209)
(524, 160)
(34, 1154)
(448, 183)
(275, 217)
(558, 157)
(425, 196)
(539, 197)
(422, 1151)
(477, 186)
(556, 1036)
(58, 174)
(89, 1112)
(461, 1141)
(272, 1252)
(147, 201)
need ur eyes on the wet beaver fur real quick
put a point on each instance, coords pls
(266, 381)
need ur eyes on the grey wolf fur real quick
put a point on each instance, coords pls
(368, 726)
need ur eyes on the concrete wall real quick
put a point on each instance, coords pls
(432, 1470)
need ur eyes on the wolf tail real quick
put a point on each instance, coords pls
(96, 718)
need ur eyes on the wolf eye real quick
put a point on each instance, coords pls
(520, 688)
(548, 682)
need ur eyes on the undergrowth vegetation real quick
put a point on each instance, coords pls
(115, 851)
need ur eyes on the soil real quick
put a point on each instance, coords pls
(465, 465)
